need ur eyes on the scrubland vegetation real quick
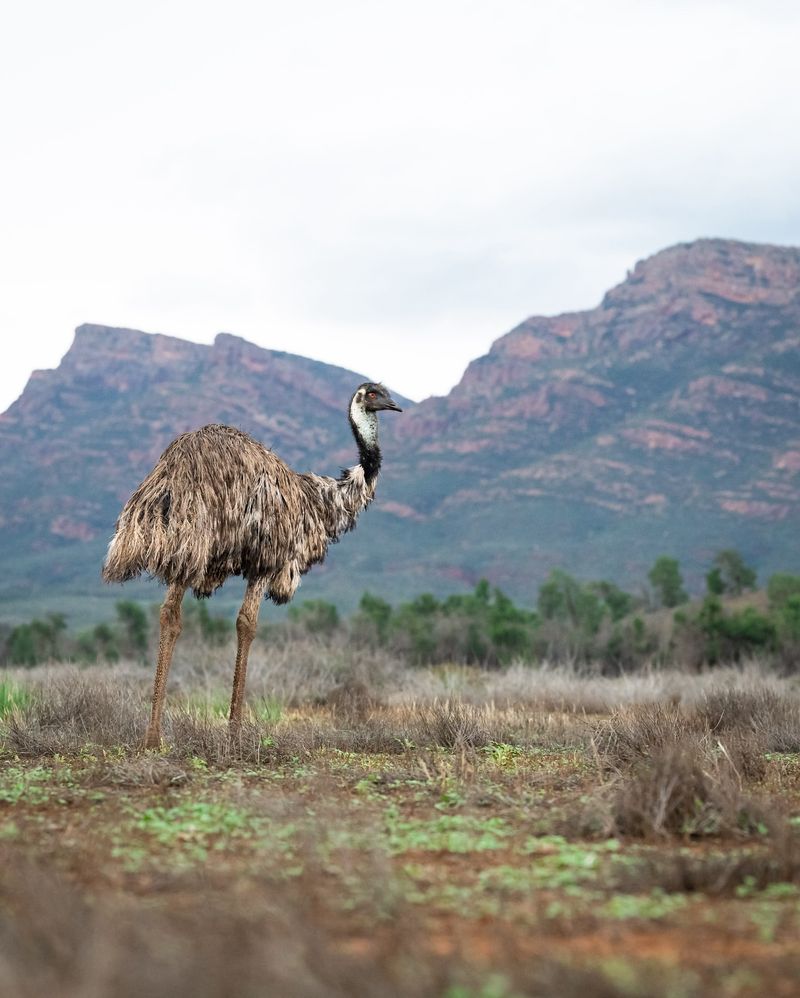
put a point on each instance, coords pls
(381, 829)
(458, 798)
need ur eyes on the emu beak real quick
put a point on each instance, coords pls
(388, 403)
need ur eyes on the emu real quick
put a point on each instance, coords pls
(217, 504)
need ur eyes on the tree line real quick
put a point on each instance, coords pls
(573, 620)
(128, 635)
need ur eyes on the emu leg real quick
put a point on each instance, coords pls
(246, 623)
(170, 629)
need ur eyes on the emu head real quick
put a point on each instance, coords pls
(373, 397)
(367, 401)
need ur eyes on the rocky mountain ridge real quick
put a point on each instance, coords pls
(666, 420)
(694, 357)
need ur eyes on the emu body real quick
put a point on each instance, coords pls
(217, 504)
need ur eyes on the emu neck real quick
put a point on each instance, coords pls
(365, 430)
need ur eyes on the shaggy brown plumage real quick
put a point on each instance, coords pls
(218, 503)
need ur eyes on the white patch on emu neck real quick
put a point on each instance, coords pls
(365, 422)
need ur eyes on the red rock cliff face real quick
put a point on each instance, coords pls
(713, 295)
(683, 384)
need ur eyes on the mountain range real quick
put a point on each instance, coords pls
(665, 420)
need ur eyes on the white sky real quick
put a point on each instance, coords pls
(388, 186)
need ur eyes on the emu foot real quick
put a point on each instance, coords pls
(152, 738)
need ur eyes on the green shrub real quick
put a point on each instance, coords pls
(665, 578)
(732, 573)
(781, 587)
(133, 623)
(315, 616)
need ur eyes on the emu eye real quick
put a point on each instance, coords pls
(372, 395)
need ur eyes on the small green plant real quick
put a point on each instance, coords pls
(503, 755)
(212, 703)
(12, 697)
(194, 827)
(268, 710)
(447, 833)
(495, 986)
(766, 918)
(647, 907)
(34, 785)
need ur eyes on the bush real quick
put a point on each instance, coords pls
(35, 642)
(780, 588)
(371, 623)
(629, 645)
(563, 598)
(712, 635)
(133, 624)
(684, 789)
(97, 644)
(732, 574)
(315, 616)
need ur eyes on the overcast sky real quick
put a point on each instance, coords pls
(388, 186)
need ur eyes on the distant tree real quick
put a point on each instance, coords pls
(414, 628)
(315, 616)
(37, 641)
(711, 622)
(781, 587)
(718, 636)
(462, 629)
(557, 595)
(482, 591)
(213, 628)
(105, 642)
(618, 602)
(133, 621)
(789, 619)
(715, 585)
(54, 632)
(735, 575)
(628, 645)
(374, 615)
(21, 647)
(424, 605)
(509, 628)
(210, 629)
(562, 597)
(665, 578)
(86, 647)
(748, 631)
(484, 626)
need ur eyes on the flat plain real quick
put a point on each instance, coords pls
(379, 830)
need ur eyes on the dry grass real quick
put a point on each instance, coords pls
(685, 789)
(304, 670)
(626, 718)
(68, 708)
(718, 874)
(772, 716)
(690, 771)
(141, 770)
